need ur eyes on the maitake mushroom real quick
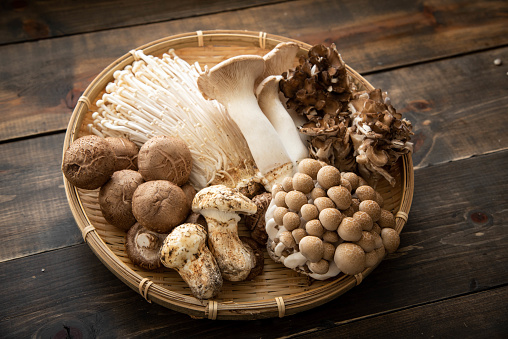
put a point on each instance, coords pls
(335, 224)
(346, 128)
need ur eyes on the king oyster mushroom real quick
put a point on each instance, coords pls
(231, 82)
(185, 251)
(220, 206)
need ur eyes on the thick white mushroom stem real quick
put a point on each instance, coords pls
(268, 99)
(231, 83)
(184, 250)
(219, 205)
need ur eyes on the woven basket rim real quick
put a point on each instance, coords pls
(266, 308)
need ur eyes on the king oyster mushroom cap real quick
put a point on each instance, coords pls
(220, 206)
(184, 250)
(268, 99)
(279, 59)
(231, 83)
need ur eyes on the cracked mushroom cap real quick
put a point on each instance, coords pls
(126, 153)
(165, 158)
(223, 199)
(88, 162)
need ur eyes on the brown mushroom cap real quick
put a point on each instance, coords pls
(350, 258)
(165, 158)
(350, 229)
(159, 205)
(143, 245)
(386, 219)
(364, 219)
(365, 192)
(303, 182)
(328, 176)
(391, 239)
(295, 200)
(256, 222)
(115, 198)
(310, 167)
(330, 218)
(320, 267)
(88, 162)
(189, 191)
(291, 221)
(311, 248)
(126, 153)
(352, 178)
(372, 208)
(340, 196)
(309, 212)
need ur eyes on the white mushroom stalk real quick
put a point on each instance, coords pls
(269, 101)
(232, 83)
(159, 96)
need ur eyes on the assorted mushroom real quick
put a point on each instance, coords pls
(312, 140)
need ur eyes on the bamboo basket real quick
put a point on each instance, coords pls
(278, 291)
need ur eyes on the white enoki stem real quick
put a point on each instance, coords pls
(159, 96)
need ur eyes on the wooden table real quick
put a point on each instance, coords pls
(437, 60)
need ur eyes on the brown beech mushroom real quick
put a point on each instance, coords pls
(115, 198)
(88, 162)
(185, 251)
(165, 158)
(391, 239)
(143, 246)
(160, 205)
(126, 153)
(220, 206)
(350, 258)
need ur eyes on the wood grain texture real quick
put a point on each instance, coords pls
(32, 20)
(41, 81)
(34, 213)
(452, 246)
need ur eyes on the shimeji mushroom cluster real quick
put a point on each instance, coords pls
(322, 222)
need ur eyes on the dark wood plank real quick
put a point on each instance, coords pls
(34, 214)
(453, 245)
(40, 82)
(32, 20)
(454, 105)
(474, 315)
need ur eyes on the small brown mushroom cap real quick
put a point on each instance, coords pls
(365, 192)
(310, 167)
(299, 234)
(287, 239)
(165, 158)
(88, 162)
(126, 153)
(328, 176)
(330, 218)
(115, 198)
(331, 237)
(386, 219)
(280, 199)
(311, 247)
(190, 192)
(350, 258)
(352, 178)
(287, 184)
(391, 239)
(303, 182)
(314, 228)
(159, 205)
(372, 208)
(323, 202)
(291, 221)
(328, 251)
(143, 245)
(364, 219)
(367, 241)
(278, 215)
(320, 267)
(309, 212)
(371, 258)
(317, 192)
(295, 200)
(349, 229)
(340, 196)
